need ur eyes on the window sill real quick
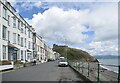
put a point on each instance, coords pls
(5, 39)
(14, 43)
(18, 44)
(5, 18)
(14, 27)
(5, 59)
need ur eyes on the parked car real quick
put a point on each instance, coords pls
(61, 58)
(50, 60)
(62, 62)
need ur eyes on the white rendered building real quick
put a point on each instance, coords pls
(18, 40)
(16, 35)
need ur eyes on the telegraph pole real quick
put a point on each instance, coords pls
(66, 47)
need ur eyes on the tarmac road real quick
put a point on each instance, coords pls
(43, 72)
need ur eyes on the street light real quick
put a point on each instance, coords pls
(66, 47)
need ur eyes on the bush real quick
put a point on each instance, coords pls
(18, 62)
(5, 62)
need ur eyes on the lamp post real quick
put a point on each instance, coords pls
(98, 78)
(66, 48)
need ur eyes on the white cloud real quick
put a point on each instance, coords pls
(38, 4)
(104, 48)
(104, 21)
(25, 5)
(56, 24)
(30, 5)
(81, 0)
(64, 0)
(11, 0)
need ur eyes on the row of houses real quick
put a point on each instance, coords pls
(18, 39)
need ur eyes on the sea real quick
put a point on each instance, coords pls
(109, 61)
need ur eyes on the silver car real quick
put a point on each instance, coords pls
(62, 62)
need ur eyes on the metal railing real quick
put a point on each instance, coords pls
(95, 71)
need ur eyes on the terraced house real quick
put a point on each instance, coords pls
(18, 39)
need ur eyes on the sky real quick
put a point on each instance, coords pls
(91, 25)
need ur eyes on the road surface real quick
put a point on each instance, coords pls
(43, 72)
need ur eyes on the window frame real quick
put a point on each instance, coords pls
(21, 54)
(29, 45)
(25, 29)
(22, 42)
(8, 20)
(8, 36)
(5, 13)
(18, 39)
(14, 22)
(0, 10)
(29, 34)
(25, 42)
(22, 30)
(14, 38)
(4, 57)
(4, 35)
(19, 24)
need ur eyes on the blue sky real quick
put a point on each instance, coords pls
(84, 24)
(27, 11)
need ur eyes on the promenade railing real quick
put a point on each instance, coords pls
(97, 72)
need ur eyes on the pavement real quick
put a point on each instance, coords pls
(42, 72)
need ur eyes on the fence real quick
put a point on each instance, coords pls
(95, 71)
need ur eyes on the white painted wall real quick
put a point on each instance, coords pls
(14, 30)
(0, 34)
(38, 48)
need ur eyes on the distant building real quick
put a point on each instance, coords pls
(45, 51)
(38, 47)
(51, 55)
(57, 55)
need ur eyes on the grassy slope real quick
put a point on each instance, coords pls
(74, 54)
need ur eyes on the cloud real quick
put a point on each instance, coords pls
(26, 5)
(30, 5)
(38, 4)
(104, 22)
(103, 48)
(57, 24)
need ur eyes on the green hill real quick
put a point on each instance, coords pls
(74, 54)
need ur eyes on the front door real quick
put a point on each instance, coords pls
(14, 56)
